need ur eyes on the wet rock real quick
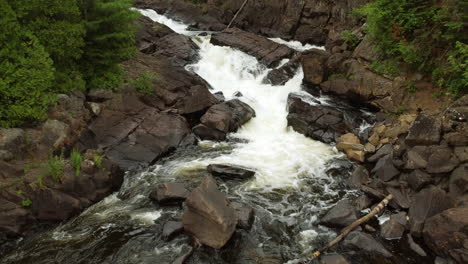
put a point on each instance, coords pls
(360, 241)
(238, 94)
(341, 215)
(182, 259)
(219, 96)
(446, 233)
(441, 160)
(99, 95)
(351, 145)
(415, 247)
(428, 202)
(266, 51)
(54, 134)
(316, 121)
(223, 118)
(282, 75)
(172, 229)
(245, 215)
(384, 169)
(314, 63)
(392, 229)
(230, 172)
(208, 216)
(425, 131)
(333, 259)
(169, 193)
(459, 181)
(418, 179)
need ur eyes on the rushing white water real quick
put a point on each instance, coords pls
(296, 45)
(172, 24)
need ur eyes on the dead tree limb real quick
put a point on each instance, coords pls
(238, 12)
(351, 227)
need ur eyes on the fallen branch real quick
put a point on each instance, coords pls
(351, 227)
(238, 12)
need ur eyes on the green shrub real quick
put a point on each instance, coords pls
(411, 86)
(40, 181)
(55, 166)
(26, 202)
(350, 39)
(427, 35)
(98, 160)
(76, 160)
(144, 83)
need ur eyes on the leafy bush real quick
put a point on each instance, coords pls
(98, 160)
(351, 39)
(427, 35)
(26, 202)
(76, 160)
(144, 83)
(55, 166)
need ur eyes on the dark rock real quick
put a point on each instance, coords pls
(425, 131)
(418, 179)
(230, 172)
(172, 229)
(400, 197)
(13, 218)
(219, 96)
(182, 259)
(207, 133)
(415, 247)
(316, 121)
(282, 75)
(459, 181)
(169, 193)
(400, 217)
(12, 142)
(366, 50)
(99, 95)
(266, 51)
(392, 229)
(384, 169)
(238, 94)
(341, 215)
(196, 99)
(333, 259)
(441, 160)
(245, 215)
(428, 202)
(382, 152)
(148, 33)
(446, 233)
(461, 153)
(313, 64)
(207, 215)
(360, 176)
(417, 157)
(52, 205)
(360, 241)
(363, 202)
(223, 118)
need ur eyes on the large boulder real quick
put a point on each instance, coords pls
(208, 216)
(447, 234)
(426, 203)
(148, 33)
(281, 75)
(12, 142)
(314, 66)
(223, 118)
(230, 172)
(441, 160)
(316, 121)
(13, 218)
(341, 215)
(266, 51)
(426, 130)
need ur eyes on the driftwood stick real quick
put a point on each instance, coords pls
(351, 227)
(238, 12)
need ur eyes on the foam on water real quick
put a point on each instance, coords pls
(172, 24)
(296, 45)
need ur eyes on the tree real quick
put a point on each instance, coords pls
(109, 40)
(26, 72)
(58, 27)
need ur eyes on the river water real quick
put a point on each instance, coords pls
(297, 179)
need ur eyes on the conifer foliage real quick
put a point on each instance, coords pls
(50, 47)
